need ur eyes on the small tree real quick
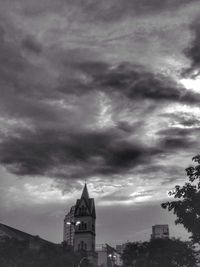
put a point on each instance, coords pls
(134, 253)
(187, 204)
(159, 252)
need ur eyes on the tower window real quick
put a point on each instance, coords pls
(82, 226)
(82, 210)
(92, 246)
(82, 245)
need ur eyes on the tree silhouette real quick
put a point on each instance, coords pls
(15, 253)
(159, 252)
(186, 205)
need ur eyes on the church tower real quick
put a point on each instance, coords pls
(84, 236)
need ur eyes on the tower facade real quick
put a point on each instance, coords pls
(85, 231)
(68, 231)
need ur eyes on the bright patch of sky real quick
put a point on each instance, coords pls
(192, 84)
(105, 112)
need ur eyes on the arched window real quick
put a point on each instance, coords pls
(83, 210)
(93, 247)
(82, 245)
(82, 226)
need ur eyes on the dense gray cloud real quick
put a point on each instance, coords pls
(104, 11)
(31, 45)
(184, 120)
(91, 89)
(136, 83)
(29, 91)
(86, 153)
(193, 50)
(49, 146)
(175, 138)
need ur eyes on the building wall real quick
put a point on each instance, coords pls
(85, 232)
(83, 242)
(108, 256)
(68, 230)
(84, 238)
(102, 259)
(34, 242)
(160, 231)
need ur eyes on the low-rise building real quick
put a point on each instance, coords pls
(34, 242)
(160, 231)
(108, 256)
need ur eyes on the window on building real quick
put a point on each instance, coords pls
(82, 210)
(82, 226)
(93, 247)
(82, 245)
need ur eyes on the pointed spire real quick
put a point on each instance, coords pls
(85, 192)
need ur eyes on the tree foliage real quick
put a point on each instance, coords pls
(15, 253)
(186, 205)
(159, 252)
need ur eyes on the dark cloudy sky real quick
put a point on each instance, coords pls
(106, 91)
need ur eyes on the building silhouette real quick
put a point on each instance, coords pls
(108, 256)
(82, 219)
(68, 231)
(33, 242)
(160, 231)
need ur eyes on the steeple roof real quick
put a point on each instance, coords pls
(89, 203)
(85, 194)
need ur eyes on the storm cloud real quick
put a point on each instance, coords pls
(46, 152)
(193, 50)
(94, 90)
(104, 11)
